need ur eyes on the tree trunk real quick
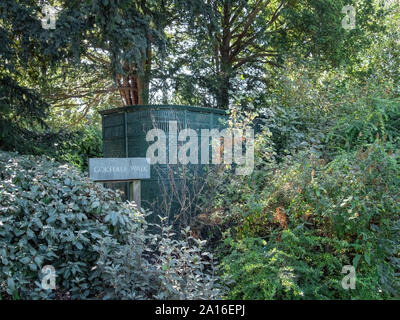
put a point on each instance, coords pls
(134, 84)
(223, 91)
(225, 68)
(132, 87)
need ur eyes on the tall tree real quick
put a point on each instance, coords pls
(100, 52)
(235, 37)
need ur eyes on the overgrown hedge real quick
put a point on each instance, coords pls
(50, 214)
(298, 223)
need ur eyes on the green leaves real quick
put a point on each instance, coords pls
(320, 217)
(96, 253)
(46, 219)
(375, 119)
(25, 260)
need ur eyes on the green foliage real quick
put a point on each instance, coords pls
(235, 45)
(52, 216)
(364, 122)
(293, 236)
(73, 147)
(258, 270)
(327, 195)
(325, 188)
(20, 109)
(85, 144)
(295, 267)
(98, 244)
(164, 267)
(326, 111)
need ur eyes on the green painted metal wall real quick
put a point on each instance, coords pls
(124, 135)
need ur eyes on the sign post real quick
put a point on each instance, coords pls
(131, 170)
(135, 192)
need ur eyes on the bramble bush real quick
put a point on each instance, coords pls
(324, 193)
(100, 247)
(364, 121)
(292, 238)
(292, 225)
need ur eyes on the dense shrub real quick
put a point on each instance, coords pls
(364, 122)
(329, 111)
(98, 244)
(293, 236)
(74, 147)
(324, 194)
(84, 144)
(162, 267)
(20, 108)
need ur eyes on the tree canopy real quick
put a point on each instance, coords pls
(110, 53)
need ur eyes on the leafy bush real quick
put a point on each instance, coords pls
(74, 147)
(161, 267)
(98, 244)
(329, 111)
(293, 236)
(364, 122)
(20, 108)
(85, 144)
